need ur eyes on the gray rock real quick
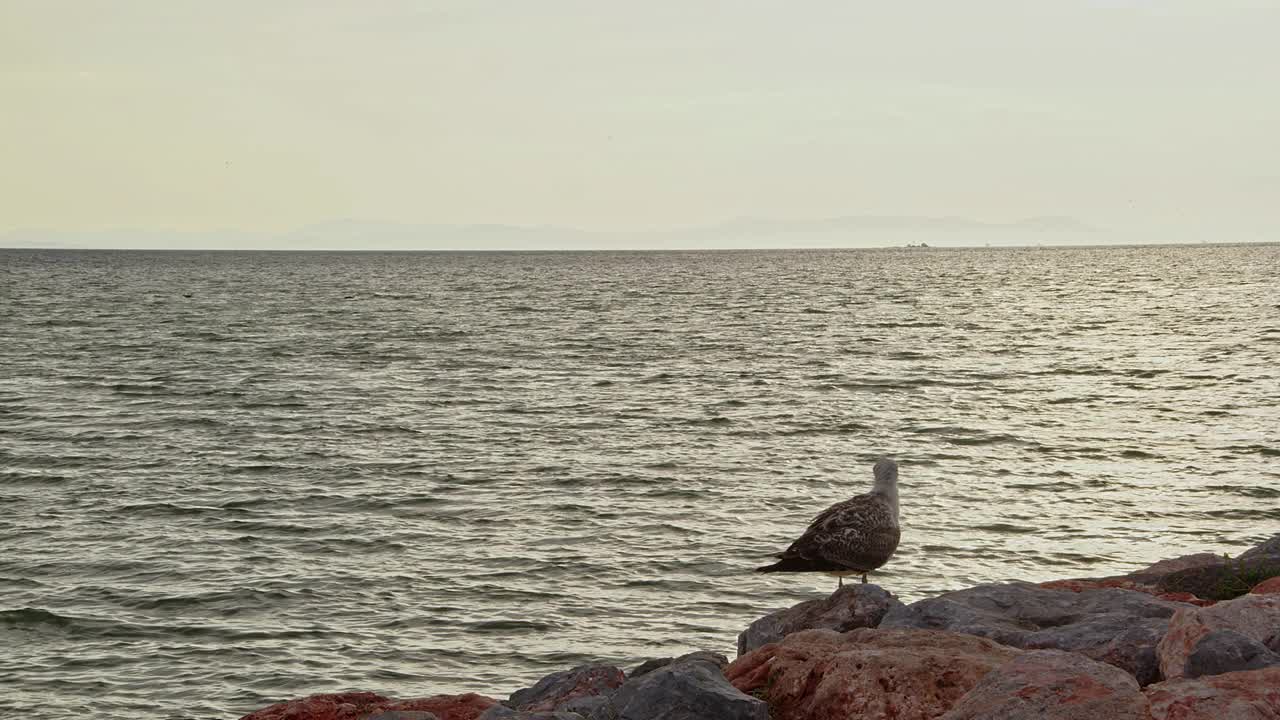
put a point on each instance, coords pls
(691, 690)
(1118, 627)
(1224, 651)
(1268, 548)
(852, 606)
(714, 658)
(403, 715)
(649, 666)
(584, 705)
(554, 691)
(502, 712)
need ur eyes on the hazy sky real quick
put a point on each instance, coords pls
(269, 115)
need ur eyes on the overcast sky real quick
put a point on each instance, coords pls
(266, 116)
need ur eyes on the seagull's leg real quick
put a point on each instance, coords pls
(839, 581)
(864, 578)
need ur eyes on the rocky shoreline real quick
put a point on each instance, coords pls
(1187, 638)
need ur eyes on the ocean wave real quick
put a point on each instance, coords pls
(266, 485)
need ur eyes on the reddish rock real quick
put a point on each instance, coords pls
(1056, 685)
(357, 706)
(1081, 584)
(866, 673)
(1185, 597)
(1253, 618)
(448, 707)
(1144, 580)
(1249, 695)
(330, 706)
(1270, 586)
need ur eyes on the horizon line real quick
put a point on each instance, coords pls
(762, 248)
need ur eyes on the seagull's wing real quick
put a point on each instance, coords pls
(857, 534)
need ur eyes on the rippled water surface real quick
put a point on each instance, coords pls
(232, 478)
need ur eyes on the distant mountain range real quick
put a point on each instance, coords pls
(902, 223)
(848, 231)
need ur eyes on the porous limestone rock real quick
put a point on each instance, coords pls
(467, 706)
(1053, 685)
(1248, 695)
(871, 674)
(362, 705)
(1239, 634)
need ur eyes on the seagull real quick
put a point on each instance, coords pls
(852, 537)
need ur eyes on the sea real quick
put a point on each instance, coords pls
(233, 478)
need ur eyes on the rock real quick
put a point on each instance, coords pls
(1253, 622)
(1178, 564)
(1184, 597)
(1123, 583)
(404, 715)
(502, 712)
(328, 706)
(690, 688)
(649, 666)
(1223, 582)
(585, 705)
(1052, 684)
(1224, 651)
(359, 706)
(468, 706)
(866, 673)
(554, 691)
(1249, 695)
(1082, 584)
(1267, 587)
(1267, 548)
(1118, 627)
(852, 606)
(1144, 580)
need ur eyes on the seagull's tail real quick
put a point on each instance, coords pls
(788, 564)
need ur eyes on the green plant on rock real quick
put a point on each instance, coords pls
(1238, 578)
(762, 693)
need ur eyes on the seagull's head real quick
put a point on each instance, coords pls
(886, 472)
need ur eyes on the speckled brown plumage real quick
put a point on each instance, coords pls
(851, 537)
